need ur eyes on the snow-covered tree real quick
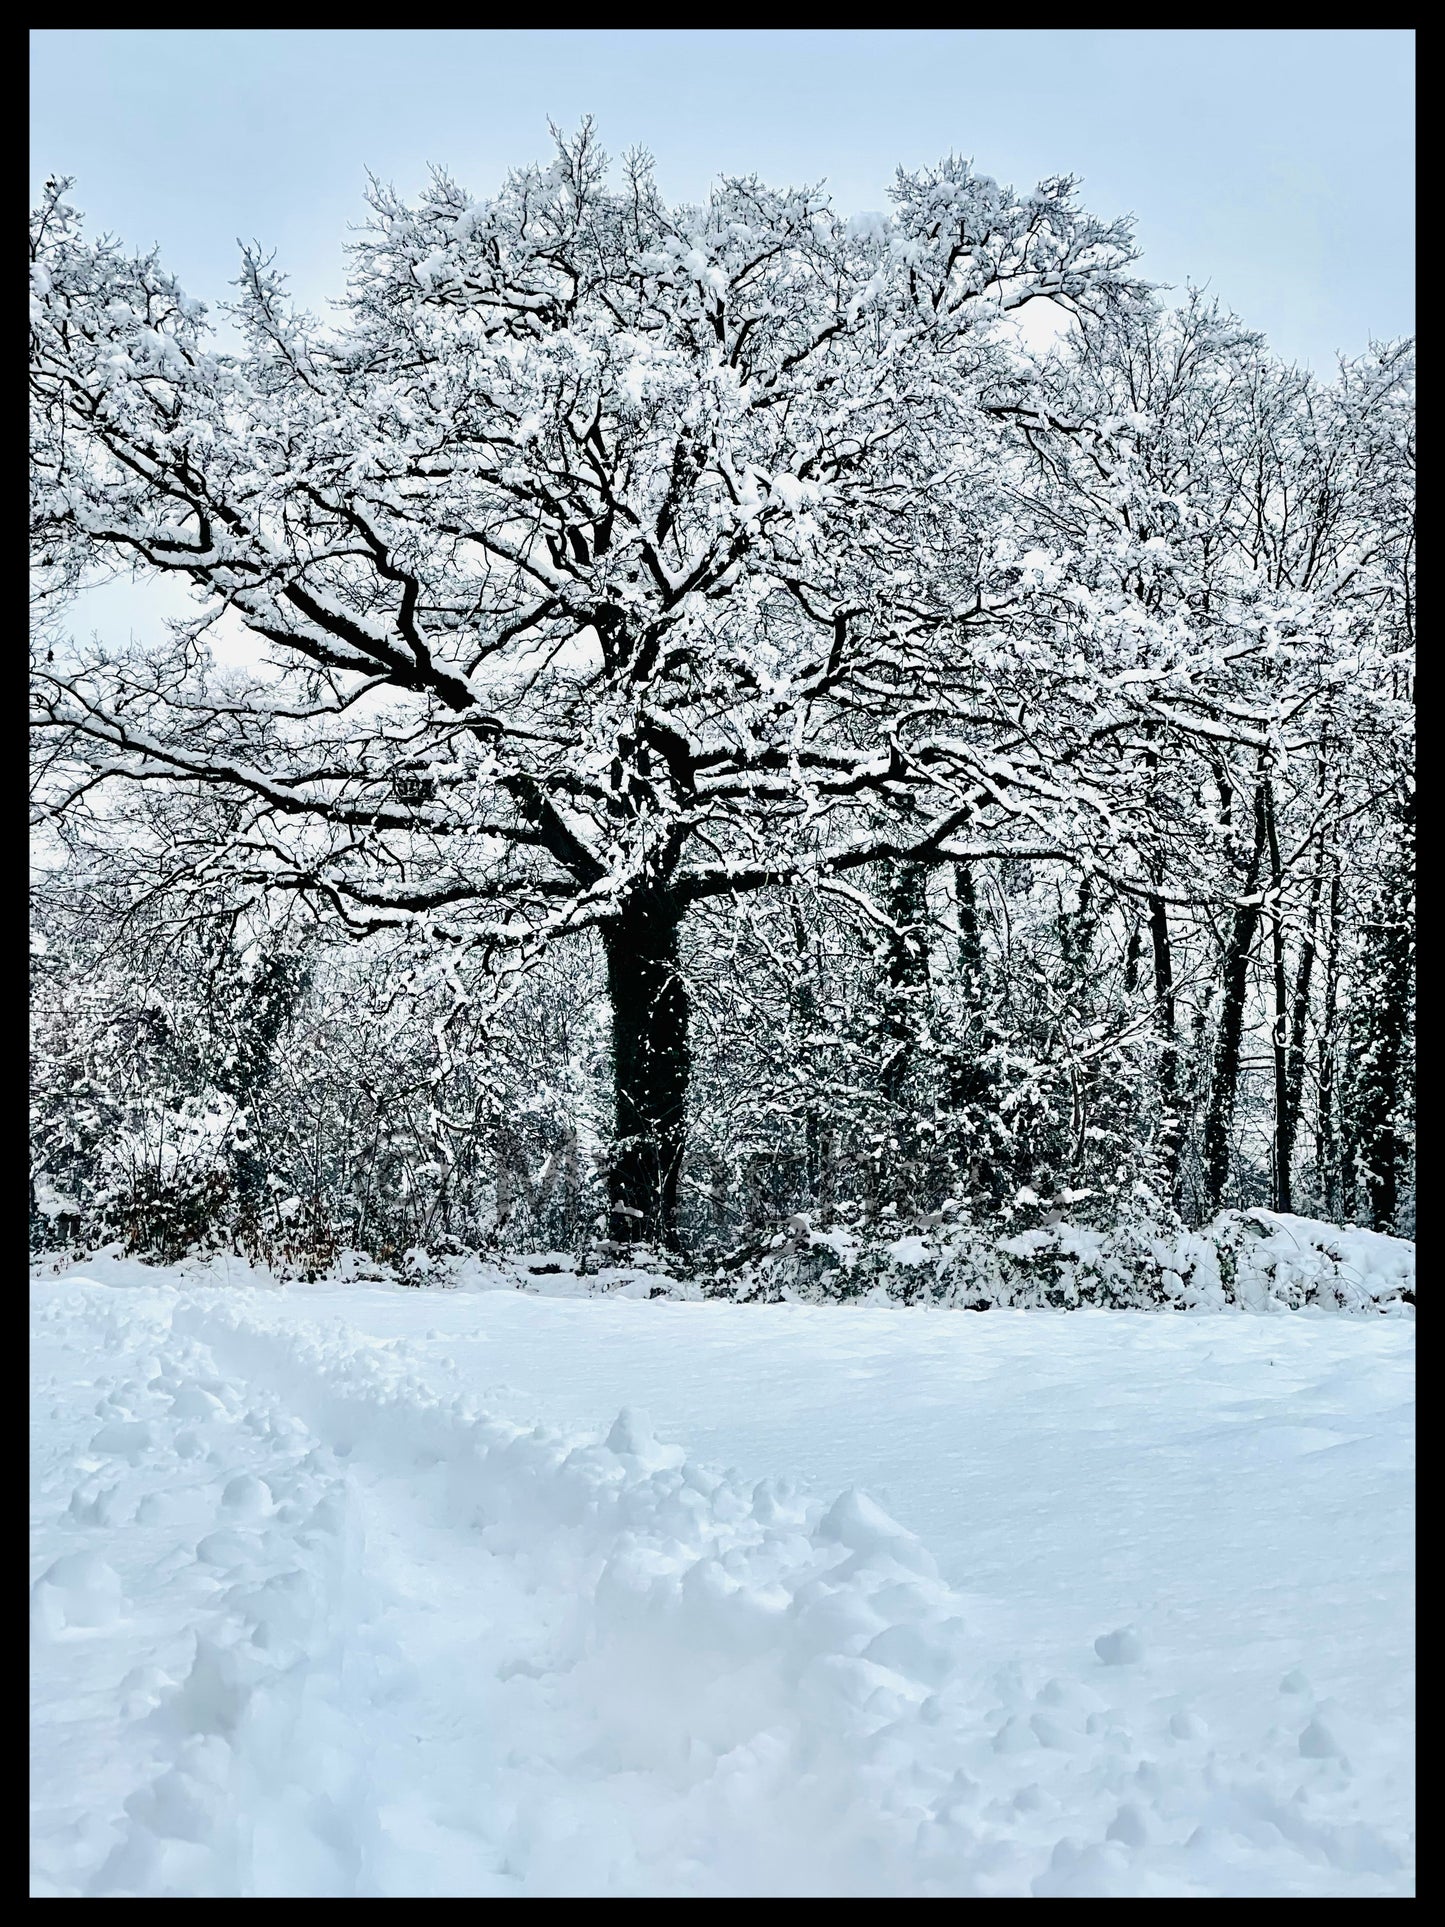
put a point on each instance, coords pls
(608, 557)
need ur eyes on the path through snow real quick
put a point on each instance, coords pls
(310, 1616)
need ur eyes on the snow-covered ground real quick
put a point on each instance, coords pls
(365, 1590)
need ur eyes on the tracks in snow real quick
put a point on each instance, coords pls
(403, 1647)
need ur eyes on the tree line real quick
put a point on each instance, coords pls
(728, 731)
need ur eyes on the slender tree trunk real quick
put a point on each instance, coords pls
(1224, 1083)
(1327, 1150)
(1169, 1118)
(651, 1063)
(1077, 933)
(970, 944)
(906, 973)
(1133, 952)
(1279, 1028)
(967, 1080)
(1380, 1056)
(806, 1005)
(1299, 1019)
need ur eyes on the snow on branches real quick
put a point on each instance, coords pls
(604, 558)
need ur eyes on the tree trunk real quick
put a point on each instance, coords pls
(1327, 1152)
(1169, 1118)
(1299, 1019)
(1224, 1082)
(805, 999)
(1133, 952)
(1380, 1059)
(1279, 1027)
(1170, 1121)
(906, 974)
(968, 1080)
(651, 1063)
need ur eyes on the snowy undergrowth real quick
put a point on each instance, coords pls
(1256, 1261)
(306, 1619)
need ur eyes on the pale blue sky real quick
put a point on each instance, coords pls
(1275, 165)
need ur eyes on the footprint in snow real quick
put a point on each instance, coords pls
(1121, 1648)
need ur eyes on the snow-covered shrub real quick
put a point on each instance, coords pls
(1258, 1261)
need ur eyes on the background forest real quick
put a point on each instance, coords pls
(866, 776)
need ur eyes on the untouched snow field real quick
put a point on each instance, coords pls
(364, 1590)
